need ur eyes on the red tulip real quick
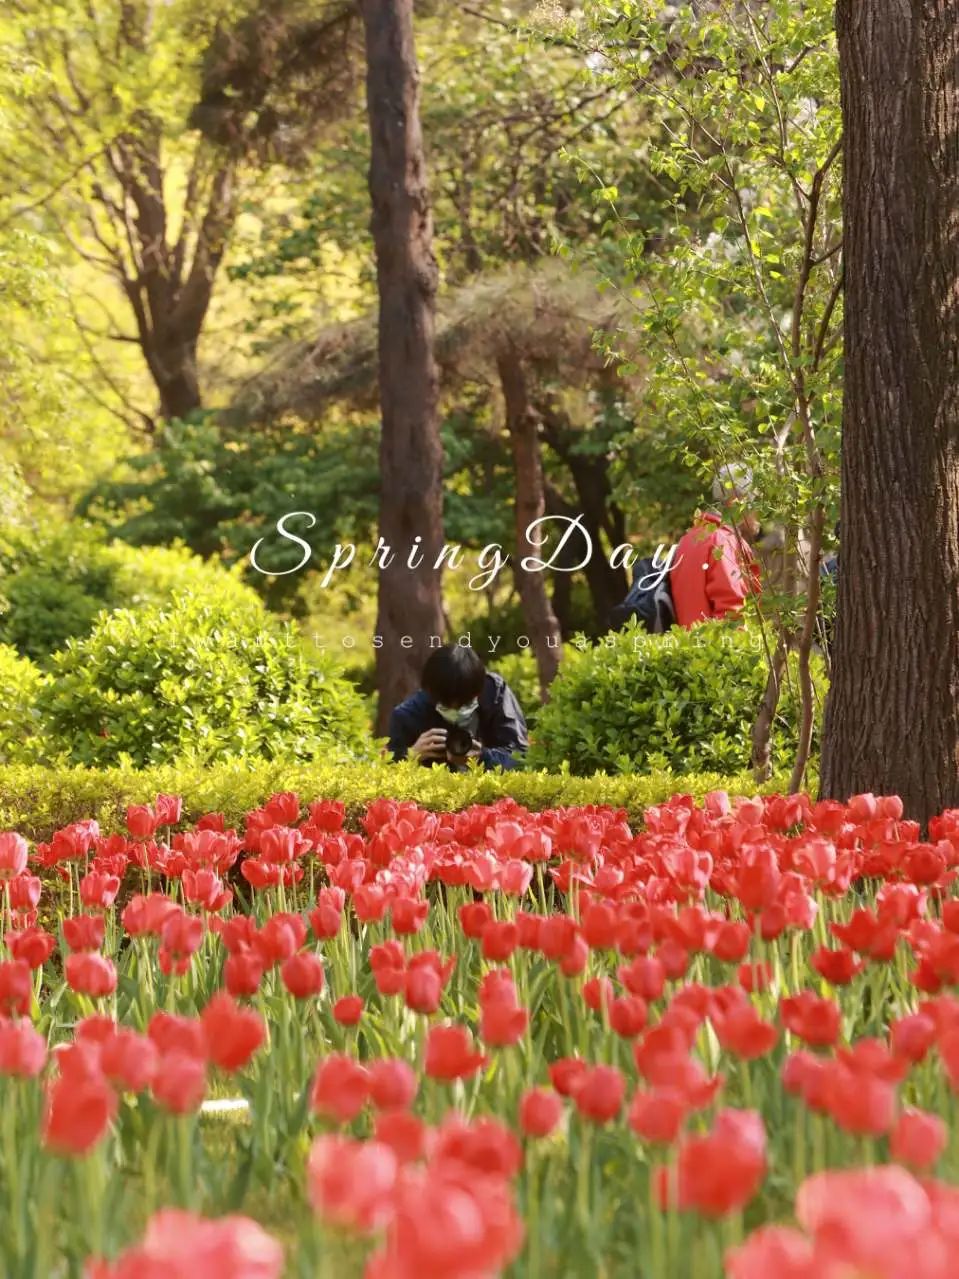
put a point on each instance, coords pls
(91, 974)
(744, 1033)
(720, 1172)
(450, 1054)
(242, 973)
(325, 921)
(99, 891)
(370, 903)
(408, 915)
(540, 1110)
(502, 1024)
(232, 1034)
(816, 1021)
(627, 1016)
(499, 941)
(598, 1095)
(171, 1033)
(566, 1074)
(918, 1139)
(280, 937)
(23, 1050)
(515, 878)
(403, 1132)
(205, 888)
(473, 917)
(424, 989)
(302, 975)
(754, 978)
(341, 1087)
(449, 1222)
(23, 893)
(16, 988)
(168, 809)
(732, 941)
(34, 946)
(13, 855)
(600, 926)
(348, 1010)
(658, 1115)
(145, 915)
(837, 966)
(351, 1183)
(393, 1084)
(597, 993)
(84, 932)
(912, 1036)
(179, 1082)
(142, 822)
(78, 1112)
(129, 1060)
(484, 1145)
(645, 977)
(859, 1102)
(181, 1245)
(778, 1251)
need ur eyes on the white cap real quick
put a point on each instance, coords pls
(733, 482)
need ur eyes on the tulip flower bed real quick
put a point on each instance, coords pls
(483, 1042)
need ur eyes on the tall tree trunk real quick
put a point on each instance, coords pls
(411, 456)
(590, 476)
(177, 379)
(522, 424)
(892, 722)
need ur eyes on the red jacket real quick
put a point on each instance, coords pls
(713, 573)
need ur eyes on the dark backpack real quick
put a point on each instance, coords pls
(652, 606)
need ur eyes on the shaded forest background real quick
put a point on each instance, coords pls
(636, 222)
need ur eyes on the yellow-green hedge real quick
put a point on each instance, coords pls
(36, 800)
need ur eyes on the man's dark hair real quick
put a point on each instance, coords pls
(453, 675)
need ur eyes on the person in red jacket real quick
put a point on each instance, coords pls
(715, 570)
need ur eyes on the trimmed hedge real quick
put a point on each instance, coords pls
(37, 801)
(152, 685)
(54, 585)
(20, 682)
(685, 702)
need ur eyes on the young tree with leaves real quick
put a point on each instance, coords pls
(737, 301)
(138, 139)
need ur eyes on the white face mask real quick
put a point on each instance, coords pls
(458, 714)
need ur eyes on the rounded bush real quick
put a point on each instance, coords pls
(20, 682)
(197, 679)
(684, 701)
(54, 585)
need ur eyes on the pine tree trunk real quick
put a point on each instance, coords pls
(892, 723)
(411, 458)
(538, 616)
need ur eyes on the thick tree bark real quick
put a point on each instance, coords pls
(411, 457)
(892, 722)
(523, 427)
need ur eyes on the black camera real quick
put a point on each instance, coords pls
(459, 741)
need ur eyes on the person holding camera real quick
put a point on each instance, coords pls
(461, 712)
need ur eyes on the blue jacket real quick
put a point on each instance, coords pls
(502, 727)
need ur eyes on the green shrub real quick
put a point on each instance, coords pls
(54, 585)
(684, 701)
(37, 801)
(20, 682)
(198, 679)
